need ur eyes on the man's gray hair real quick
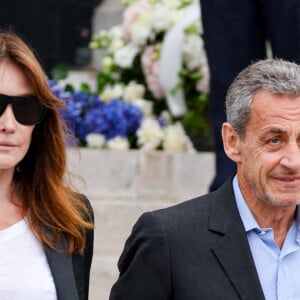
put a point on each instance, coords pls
(274, 75)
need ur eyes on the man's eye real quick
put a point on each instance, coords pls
(274, 141)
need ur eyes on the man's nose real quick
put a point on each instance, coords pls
(291, 156)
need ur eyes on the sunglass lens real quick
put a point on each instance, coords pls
(28, 111)
(3, 105)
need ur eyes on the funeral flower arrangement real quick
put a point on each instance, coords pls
(148, 95)
(158, 52)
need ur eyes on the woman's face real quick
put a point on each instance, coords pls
(15, 138)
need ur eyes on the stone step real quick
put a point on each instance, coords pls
(104, 273)
(113, 223)
(135, 175)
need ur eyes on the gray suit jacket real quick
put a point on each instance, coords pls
(197, 250)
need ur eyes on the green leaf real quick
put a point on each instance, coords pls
(69, 88)
(84, 87)
(59, 72)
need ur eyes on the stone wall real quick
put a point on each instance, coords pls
(108, 14)
(123, 185)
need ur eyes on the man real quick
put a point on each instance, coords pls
(235, 35)
(241, 241)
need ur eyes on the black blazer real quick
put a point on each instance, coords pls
(196, 250)
(71, 273)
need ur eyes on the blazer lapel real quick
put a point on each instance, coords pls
(62, 270)
(232, 249)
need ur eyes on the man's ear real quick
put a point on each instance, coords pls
(231, 142)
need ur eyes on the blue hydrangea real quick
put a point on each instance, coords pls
(58, 91)
(115, 118)
(85, 113)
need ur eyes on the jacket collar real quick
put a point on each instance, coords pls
(62, 271)
(232, 249)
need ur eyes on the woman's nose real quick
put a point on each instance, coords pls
(7, 120)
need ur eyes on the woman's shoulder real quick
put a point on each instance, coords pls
(89, 211)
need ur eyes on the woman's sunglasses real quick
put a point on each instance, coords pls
(27, 109)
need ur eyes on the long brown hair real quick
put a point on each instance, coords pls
(55, 211)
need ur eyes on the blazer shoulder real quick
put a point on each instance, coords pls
(202, 203)
(197, 206)
(198, 212)
(89, 215)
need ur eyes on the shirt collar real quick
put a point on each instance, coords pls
(246, 215)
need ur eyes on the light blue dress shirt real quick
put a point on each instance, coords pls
(278, 269)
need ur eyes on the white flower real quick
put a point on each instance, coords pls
(131, 15)
(145, 105)
(179, 14)
(116, 32)
(172, 3)
(134, 91)
(193, 51)
(124, 56)
(95, 140)
(115, 45)
(107, 63)
(150, 134)
(161, 18)
(118, 143)
(112, 92)
(176, 140)
(117, 39)
(141, 30)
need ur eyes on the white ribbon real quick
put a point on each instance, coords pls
(171, 63)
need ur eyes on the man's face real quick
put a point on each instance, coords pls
(269, 154)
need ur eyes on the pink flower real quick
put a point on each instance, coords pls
(131, 14)
(150, 68)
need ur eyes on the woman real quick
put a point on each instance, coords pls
(46, 230)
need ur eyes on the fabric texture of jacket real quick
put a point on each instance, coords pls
(71, 272)
(194, 250)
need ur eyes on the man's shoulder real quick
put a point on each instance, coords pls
(196, 209)
(198, 203)
(190, 211)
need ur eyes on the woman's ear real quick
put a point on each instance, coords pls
(231, 142)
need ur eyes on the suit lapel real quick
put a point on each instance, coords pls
(62, 270)
(232, 249)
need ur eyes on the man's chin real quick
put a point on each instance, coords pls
(284, 199)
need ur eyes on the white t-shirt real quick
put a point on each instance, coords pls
(24, 270)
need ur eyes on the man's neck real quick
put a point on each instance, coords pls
(279, 219)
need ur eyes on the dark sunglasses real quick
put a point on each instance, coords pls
(27, 109)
